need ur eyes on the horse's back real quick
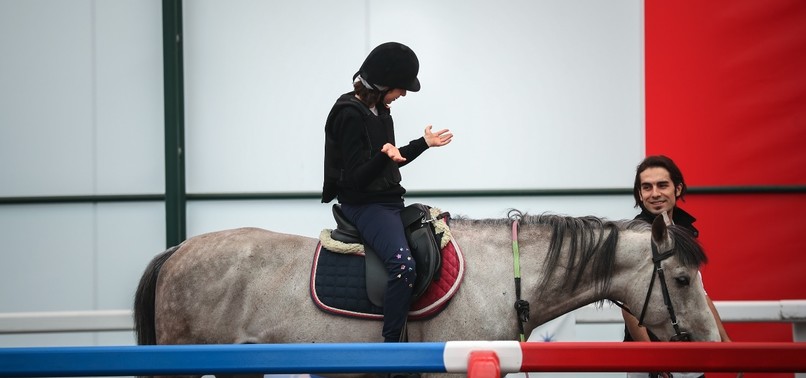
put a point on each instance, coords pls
(215, 284)
(253, 249)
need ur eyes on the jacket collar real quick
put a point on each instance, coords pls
(679, 216)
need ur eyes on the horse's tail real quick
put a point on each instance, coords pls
(144, 298)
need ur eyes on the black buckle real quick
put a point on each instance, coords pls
(522, 307)
(681, 336)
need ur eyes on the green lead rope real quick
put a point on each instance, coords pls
(521, 306)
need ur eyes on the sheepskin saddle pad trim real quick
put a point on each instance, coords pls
(440, 228)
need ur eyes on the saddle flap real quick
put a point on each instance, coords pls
(345, 231)
(423, 239)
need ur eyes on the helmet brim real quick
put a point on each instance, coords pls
(414, 86)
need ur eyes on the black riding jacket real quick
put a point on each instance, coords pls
(356, 172)
(679, 218)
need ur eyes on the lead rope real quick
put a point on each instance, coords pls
(521, 306)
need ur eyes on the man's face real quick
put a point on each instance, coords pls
(658, 193)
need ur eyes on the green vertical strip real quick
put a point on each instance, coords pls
(175, 196)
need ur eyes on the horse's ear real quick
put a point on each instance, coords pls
(667, 219)
(659, 233)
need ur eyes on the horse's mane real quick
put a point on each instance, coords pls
(592, 241)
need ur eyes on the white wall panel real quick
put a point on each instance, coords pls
(48, 257)
(129, 97)
(539, 94)
(81, 98)
(76, 257)
(128, 237)
(260, 78)
(46, 98)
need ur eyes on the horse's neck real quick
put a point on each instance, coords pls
(550, 308)
(489, 246)
(633, 269)
(555, 299)
(547, 296)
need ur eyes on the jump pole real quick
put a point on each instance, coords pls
(453, 357)
(221, 359)
(679, 356)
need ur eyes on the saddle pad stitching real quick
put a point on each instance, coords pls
(320, 304)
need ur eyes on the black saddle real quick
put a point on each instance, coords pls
(423, 242)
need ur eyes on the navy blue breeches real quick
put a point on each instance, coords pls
(380, 227)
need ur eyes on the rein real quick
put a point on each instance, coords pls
(658, 271)
(521, 306)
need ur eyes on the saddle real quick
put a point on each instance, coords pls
(423, 241)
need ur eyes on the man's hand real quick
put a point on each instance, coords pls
(637, 332)
(438, 139)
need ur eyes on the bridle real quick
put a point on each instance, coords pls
(522, 306)
(658, 271)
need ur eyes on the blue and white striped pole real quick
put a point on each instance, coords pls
(451, 357)
(250, 358)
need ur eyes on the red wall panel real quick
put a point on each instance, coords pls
(754, 245)
(726, 99)
(726, 89)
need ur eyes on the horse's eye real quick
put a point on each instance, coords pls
(682, 281)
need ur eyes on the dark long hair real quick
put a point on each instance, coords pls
(369, 97)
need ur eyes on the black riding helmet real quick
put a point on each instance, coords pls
(392, 65)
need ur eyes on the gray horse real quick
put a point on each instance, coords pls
(250, 285)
